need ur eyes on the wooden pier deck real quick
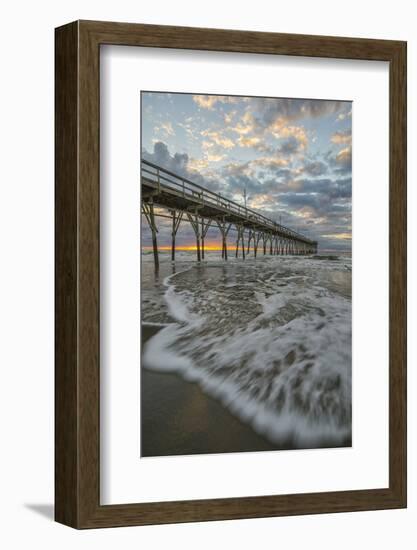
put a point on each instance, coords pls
(187, 201)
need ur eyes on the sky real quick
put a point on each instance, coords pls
(292, 156)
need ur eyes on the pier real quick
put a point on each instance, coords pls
(186, 201)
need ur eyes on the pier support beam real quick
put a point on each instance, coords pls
(224, 230)
(148, 211)
(173, 233)
(243, 241)
(176, 220)
(251, 235)
(240, 232)
(204, 229)
(256, 240)
(196, 226)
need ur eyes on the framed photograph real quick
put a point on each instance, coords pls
(230, 274)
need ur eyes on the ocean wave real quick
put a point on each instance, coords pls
(271, 341)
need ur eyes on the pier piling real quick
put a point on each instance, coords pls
(204, 208)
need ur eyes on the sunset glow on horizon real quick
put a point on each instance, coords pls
(290, 159)
(190, 248)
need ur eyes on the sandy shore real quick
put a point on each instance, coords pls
(179, 419)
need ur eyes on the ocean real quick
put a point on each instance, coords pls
(269, 338)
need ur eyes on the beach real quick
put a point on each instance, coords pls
(252, 356)
(179, 419)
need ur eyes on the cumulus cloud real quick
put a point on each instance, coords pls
(245, 125)
(214, 157)
(270, 162)
(315, 168)
(253, 129)
(161, 156)
(228, 117)
(209, 101)
(326, 188)
(197, 165)
(341, 161)
(249, 141)
(341, 138)
(344, 159)
(289, 146)
(218, 138)
(206, 101)
(181, 164)
(298, 133)
(283, 111)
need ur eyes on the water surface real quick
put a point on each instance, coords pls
(269, 339)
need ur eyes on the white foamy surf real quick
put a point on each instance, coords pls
(271, 339)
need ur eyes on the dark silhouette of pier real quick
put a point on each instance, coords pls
(187, 201)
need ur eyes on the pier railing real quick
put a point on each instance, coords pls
(162, 177)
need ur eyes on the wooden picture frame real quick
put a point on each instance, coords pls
(77, 382)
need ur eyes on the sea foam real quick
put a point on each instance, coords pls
(271, 340)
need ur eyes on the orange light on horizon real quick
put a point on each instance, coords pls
(190, 248)
(339, 236)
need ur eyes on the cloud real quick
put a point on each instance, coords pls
(315, 168)
(249, 141)
(270, 162)
(209, 101)
(260, 174)
(189, 128)
(198, 165)
(271, 111)
(246, 125)
(161, 156)
(344, 158)
(166, 129)
(341, 138)
(289, 146)
(262, 145)
(279, 130)
(214, 157)
(254, 130)
(228, 117)
(206, 101)
(344, 115)
(279, 119)
(218, 139)
(183, 165)
(326, 188)
(339, 236)
(340, 162)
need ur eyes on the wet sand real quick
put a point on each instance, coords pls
(179, 419)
